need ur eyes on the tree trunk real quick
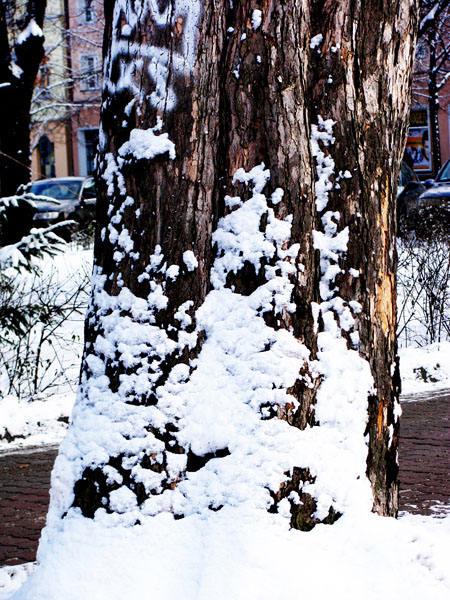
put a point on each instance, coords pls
(320, 95)
(18, 71)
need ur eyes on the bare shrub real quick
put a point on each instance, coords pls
(40, 356)
(423, 290)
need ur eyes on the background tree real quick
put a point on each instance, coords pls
(200, 245)
(21, 51)
(433, 66)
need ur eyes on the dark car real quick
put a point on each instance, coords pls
(438, 191)
(69, 198)
(433, 207)
(408, 192)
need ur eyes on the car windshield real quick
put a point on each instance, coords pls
(89, 189)
(444, 174)
(59, 190)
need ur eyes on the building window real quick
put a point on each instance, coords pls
(89, 75)
(88, 11)
(88, 142)
(46, 157)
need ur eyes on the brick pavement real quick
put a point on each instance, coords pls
(24, 498)
(424, 475)
(424, 453)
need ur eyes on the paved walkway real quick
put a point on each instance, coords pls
(24, 498)
(424, 454)
(424, 478)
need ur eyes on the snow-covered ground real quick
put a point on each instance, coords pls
(240, 551)
(11, 578)
(236, 555)
(425, 369)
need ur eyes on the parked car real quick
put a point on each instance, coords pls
(69, 198)
(438, 190)
(408, 192)
(433, 206)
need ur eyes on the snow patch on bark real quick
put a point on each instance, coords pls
(15, 70)
(323, 132)
(189, 260)
(145, 144)
(256, 19)
(136, 61)
(342, 397)
(316, 41)
(31, 30)
(112, 173)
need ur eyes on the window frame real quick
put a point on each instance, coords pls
(89, 75)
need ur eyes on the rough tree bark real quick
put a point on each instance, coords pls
(235, 86)
(18, 70)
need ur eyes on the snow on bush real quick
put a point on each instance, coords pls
(40, 364)
(423, 291)
(424, 313)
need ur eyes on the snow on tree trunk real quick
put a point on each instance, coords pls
(240, 343)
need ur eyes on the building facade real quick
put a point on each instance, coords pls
(50, 137)
(428, 145)
(67, 97)
(86, 24)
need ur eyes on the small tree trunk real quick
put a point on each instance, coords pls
(319, 94)
(433, 106)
